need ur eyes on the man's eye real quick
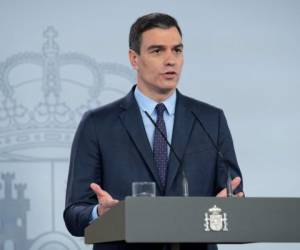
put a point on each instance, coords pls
(178, 50)
(156, 51)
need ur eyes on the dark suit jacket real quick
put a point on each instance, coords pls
(111, 148)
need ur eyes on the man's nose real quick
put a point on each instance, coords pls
(170, 58)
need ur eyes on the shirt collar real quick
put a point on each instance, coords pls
(147, 104)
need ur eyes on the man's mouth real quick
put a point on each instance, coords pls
(170, 74)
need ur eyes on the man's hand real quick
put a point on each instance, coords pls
(105, 200)
(234, 183)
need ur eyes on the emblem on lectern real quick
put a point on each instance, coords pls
(215, 220)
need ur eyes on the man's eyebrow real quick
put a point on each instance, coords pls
(180, 45)
(159, 46)
(155, 46)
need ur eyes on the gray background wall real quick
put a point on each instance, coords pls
(242, 56)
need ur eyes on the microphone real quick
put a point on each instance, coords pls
(185, 184)
(221, 155)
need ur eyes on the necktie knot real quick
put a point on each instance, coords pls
(160, 108)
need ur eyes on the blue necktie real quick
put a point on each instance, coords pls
(160, 148)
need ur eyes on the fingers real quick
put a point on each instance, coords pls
(223, 193)
(96, 188)
(105, 200)
(234, 184)
(103, 209)
(106, 205)
(240, 195)
(99, 191)
(109, 203)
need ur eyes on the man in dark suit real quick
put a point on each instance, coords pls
(117, 144)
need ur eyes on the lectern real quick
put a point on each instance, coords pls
(198, 219)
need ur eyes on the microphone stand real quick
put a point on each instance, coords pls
(220, 154)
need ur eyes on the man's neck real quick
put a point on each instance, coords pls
(156, 96)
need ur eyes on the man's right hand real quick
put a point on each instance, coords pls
(105, 200)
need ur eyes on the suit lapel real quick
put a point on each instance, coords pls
(132, 120)
(183, 125)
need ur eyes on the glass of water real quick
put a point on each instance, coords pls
(143, 189)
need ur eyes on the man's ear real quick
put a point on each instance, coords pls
(133, 58)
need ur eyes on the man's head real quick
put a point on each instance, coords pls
(156, 53)
(147, 22)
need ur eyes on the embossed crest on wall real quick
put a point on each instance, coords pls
(42, 98)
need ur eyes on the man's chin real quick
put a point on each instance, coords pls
(168, 87)
(166, 91)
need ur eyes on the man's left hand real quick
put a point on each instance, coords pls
(234, 184)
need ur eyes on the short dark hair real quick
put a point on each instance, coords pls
(147, 22)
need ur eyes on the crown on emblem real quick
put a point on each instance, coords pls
(47, 107)
(215, 210)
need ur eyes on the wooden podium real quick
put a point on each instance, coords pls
(198, 219)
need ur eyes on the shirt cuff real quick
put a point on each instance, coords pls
(94, 214)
